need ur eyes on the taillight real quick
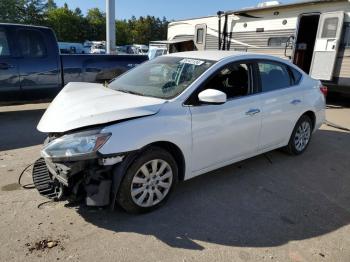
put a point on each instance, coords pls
(324, 90)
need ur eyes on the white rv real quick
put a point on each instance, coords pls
(315, 35)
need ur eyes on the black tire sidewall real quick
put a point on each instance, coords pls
(124, 197)
(291, 145)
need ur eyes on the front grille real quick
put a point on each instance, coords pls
(43, 182)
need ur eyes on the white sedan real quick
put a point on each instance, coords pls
(171, 119)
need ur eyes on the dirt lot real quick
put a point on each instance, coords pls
(268, 208)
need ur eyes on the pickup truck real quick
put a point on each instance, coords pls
(32, 68)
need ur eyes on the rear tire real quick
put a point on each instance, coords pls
(148, 182)
(301, 136)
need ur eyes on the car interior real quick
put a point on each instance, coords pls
(4, 48)
(232, 80)
(273, 76)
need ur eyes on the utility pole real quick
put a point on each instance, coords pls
(110, 26)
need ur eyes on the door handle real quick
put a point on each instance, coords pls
(252, 112)
(5, 66)
(295, 102)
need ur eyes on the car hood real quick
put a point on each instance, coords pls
(86, 104)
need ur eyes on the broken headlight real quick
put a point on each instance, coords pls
(78, 146)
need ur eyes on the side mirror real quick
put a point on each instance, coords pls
(212, 96)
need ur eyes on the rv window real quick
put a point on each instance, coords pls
(277, 41)
(4, 46)
(273, 76)
(330, 26)
(200, 36)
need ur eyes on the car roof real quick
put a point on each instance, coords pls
(23, 25)
(218, 55)
(208, 55)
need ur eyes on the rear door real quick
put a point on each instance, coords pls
(282, 103)
(9, 77)
(327, 45)
(39, 63)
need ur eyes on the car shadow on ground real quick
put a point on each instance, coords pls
(18, 129)
(261, 202)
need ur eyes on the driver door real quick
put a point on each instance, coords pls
(226, 133)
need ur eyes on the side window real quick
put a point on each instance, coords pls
(31, 43)
(273, 76)
(277, 41)
(200, 36)
(233, 80)
(296, 75)
(4, 45)
(330, 26)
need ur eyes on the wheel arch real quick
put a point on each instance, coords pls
(119, 170)
(312, 116)
(175, 151)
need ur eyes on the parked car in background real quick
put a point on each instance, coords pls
(156, 51)
(121, 50)
(171, 119)
(31, 66)
(98, 48)
(87, 46)
(72, 48)
(141, 49)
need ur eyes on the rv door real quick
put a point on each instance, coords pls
(327, 43)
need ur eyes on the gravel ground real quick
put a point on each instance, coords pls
(268, 208)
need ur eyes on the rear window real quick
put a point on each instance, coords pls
(4, 46)
(296, 75)
(273, 76)
(31, 43)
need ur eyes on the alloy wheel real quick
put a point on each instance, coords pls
(151, 183)
(302, 136)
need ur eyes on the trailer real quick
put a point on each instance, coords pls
(315, 35)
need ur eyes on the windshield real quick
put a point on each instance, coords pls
(163, 77)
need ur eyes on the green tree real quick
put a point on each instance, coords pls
(68, 25)
(50, 5)
(96, 24)
(34, 12)
(72, 25)
(78, 11)
(123, 36)
(11, 11)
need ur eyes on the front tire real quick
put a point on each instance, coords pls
(301, 136)
(148, 182)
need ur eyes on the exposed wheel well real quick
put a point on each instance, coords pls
(176, 152)
(312, 117)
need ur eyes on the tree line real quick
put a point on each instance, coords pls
(73, 26)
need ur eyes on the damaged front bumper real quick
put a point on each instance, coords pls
(89, 179)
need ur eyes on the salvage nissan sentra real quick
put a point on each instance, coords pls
(169, 120)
